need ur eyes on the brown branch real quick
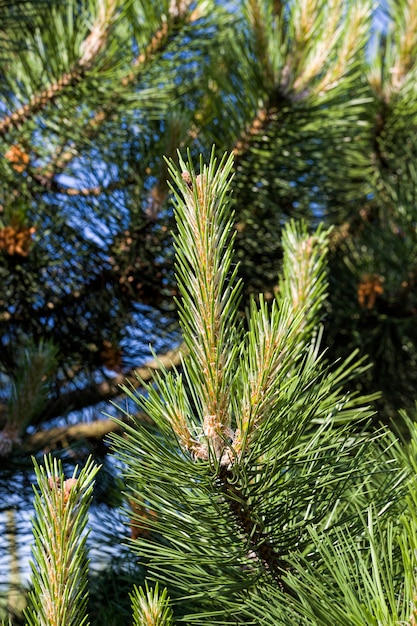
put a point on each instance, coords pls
(261, 549)
(40, 101)
(90, 48)
(62, 436)
(177, 14)
(257, 126)
(131, 284)
(109, 389)
(10, 437)
(52, 185)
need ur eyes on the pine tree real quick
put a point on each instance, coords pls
(316, 101)
(258, 500)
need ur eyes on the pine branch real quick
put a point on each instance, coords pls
(93, 44)
(255, 444)
(40, 101)
(393, 70)
(293, 48)
(28, 394)
(109, 389)
(63, 436)
(269, 352)
(60, 567)
(86, 192)
(150, 607)
(260, 546)
(303, 281)
(178, 15)
(209, 290)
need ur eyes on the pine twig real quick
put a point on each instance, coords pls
(60, 557)
(151, 607)
(90, 48)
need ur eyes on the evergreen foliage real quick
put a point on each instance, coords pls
(317, 107)
(257, 499)
(257, 481)
(60, 561)
(316, 100)
(150, 607)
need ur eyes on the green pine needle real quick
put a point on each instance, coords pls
(151, 607)
(254, 449)
(59, 569)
